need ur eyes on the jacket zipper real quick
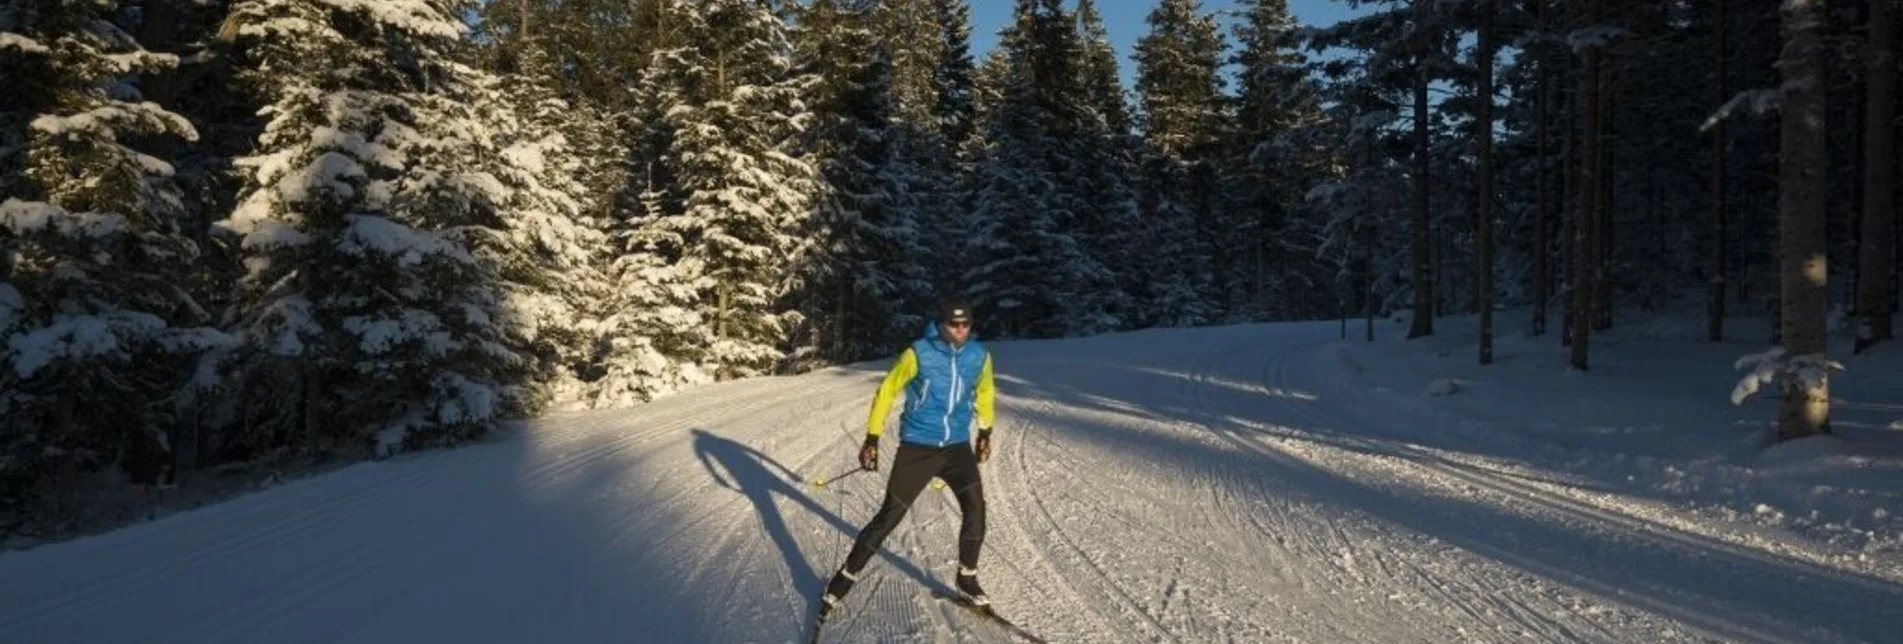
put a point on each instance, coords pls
(951, 403)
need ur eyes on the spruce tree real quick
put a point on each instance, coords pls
(367, 314)
(865, 267)
(1184, 120)
(99, 333)
(731, 107)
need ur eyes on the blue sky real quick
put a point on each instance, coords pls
(1124, 20)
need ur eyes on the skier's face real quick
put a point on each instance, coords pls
(955, 331)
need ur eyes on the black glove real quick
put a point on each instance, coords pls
(984, 444)
(869, 454)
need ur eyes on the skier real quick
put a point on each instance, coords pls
(946, 376)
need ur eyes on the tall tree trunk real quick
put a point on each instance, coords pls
(1484, 281)
(1877, 254)
(1544, 97)
(1801, 230)
(1587, 208)
(522, 8)
(1602, 226)
(1715, 266)
(1371, 240)
(1569, 180)
(1423, 281)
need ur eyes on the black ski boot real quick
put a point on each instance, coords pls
(967, 583)
(835, 590)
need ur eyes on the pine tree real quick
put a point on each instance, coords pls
(1184, 120)
(1102, 87)
(1030, 269)
(1105, 152)
(866, 266)
(731, 107)
(1805, 408)
(1268, 165)
(92, 252)
(548, 254)
(368, 314)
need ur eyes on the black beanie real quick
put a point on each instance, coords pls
(954, 309)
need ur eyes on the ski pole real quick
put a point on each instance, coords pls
(821, 484)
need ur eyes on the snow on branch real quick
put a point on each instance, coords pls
(415, 16)
(107, 119)
(1758, 101)
(408, 245)
(1594, 37)
(1771, 366)
(27, 217)
(10, 40)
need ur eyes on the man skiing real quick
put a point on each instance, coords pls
(946, 376)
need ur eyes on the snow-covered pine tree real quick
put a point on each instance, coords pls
(1103, 87)
(932, 110)
(652, 339)
(1271, 159)
(98, 334)
(1027, 266)
(548, 252)
(1384, 75)
(732, 109)
(366, 316)
(1184, 118)
(866, 263)
(1103, 153)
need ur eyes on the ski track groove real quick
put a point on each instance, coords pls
(1105, 585)
(1501, 599)
(1054, 583)
(1275, 376)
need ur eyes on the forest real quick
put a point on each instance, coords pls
(252, 235)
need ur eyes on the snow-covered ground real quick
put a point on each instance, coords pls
(1260, 483)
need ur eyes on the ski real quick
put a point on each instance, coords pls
(989, 614)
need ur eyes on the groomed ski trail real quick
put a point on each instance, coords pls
(1214, 485)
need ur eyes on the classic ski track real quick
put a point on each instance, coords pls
(1553, 499)
(1104, 584)
(240, 618)
(1563, 498)
(737, 509)
(1321, 547)
(1549, 627)
(1304, 548)
(1504, 600)
(1055, 582)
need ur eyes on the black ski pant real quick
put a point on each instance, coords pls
(913, 467)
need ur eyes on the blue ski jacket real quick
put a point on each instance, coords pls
(945, 386)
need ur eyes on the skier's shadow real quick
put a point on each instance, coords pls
(761, 477)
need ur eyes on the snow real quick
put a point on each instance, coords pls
(78, 336)
(326, 172)
(1253, 483)
(27, 217)
(10, 40)
(107, 119)
(408, 245)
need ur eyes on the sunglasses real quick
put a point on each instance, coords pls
(959, 324)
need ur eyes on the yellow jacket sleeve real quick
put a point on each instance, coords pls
(986, 392)
(895, 380)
